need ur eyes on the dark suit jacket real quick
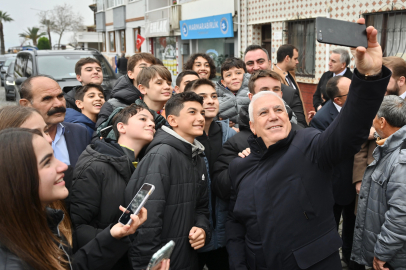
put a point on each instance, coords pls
(292, 199)
(292, 98)
(321, 87)
(343, 188)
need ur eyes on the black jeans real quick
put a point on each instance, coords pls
(214, 259)
(347, 235)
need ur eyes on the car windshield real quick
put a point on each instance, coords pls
(62, 67)
(9, 61)
(10, 68)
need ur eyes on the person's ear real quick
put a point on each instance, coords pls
(130, 74)
(142, 89)
(223, 82)
(252, 128)
(401, 81)
(250, 95)
(121, 128)
(79, 104)
(78, 77)
(25, 103)
(383, 123)
(287, 58)
(172, 120)
(337, 101)
(176, 88)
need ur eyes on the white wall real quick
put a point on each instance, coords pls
(205, 8)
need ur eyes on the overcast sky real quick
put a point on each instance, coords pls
(24, 15)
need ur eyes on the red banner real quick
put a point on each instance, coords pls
(140, 40)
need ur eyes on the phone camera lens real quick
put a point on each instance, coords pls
(320, 36)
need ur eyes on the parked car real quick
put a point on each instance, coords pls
(3, 69)
(60, 65)
(9, 83)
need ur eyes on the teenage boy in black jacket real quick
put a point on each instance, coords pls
(178, 208)
(103, 171)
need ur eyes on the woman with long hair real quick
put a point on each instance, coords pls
(203, 64)
(31, 179)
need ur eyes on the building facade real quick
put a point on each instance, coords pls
(271, 23)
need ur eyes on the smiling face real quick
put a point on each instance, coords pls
(232, 78)
(202, 67)
(139, 127)
(50, 170)
(256, 60)
(271, 121)
(35, 121)
(267, 84)
(48, 99)
(159, 90)
(189, 124)
(90, 73)
(210, 100)
(92, 102)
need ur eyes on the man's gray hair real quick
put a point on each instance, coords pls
(393, 109)
(344, 56)
(259, 95)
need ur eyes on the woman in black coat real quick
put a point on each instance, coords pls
(31, 178)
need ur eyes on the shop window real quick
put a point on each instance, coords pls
(136, 32)
(391, 28)
(122, 41)
(165, 49)
(112, 41)
(103, 41)
(301, 34)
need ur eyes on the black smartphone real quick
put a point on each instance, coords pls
(343, 33)
(136, 203)
(105, 131)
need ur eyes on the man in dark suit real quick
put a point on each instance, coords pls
(343, 188)
(337, 66)
(69, 140)
(280, 204)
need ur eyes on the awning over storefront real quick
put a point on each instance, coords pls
(219, 26)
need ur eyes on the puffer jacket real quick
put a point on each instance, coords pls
(76, 117)
(177, 170)
(99, 180)
(123, 94)
(100, 253)
(380, 228)
(217, 226)
(231, 104)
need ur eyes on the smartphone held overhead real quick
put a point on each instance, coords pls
(343, 33)
(137, 203)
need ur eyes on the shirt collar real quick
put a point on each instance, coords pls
(341, 73)
(337, 107)
(403, 96)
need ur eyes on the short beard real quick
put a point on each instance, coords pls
(394, 91)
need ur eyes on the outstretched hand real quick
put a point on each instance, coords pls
(119, 230)
(368, 60)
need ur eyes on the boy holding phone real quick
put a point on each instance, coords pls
(89, 99)
(178, 208)
(102, 172)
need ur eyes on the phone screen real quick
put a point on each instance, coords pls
(136, 204)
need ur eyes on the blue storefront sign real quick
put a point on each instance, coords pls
(219, 26)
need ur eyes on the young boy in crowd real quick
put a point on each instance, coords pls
(184, 78)
(232, 89)
(178, 208)
(88, 71)
(102, 173)
(125, 90)
(216, 133)
(89, 99)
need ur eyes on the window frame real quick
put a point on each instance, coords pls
(125, 41)
(114, 41)
(136, 31)
(104, 49)
(302, 51)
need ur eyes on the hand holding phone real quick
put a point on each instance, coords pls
(136, 203)
(161, 255)
(119, 230)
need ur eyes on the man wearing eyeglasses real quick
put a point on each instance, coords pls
(343, 188)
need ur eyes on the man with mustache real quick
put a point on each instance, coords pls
(69, 140)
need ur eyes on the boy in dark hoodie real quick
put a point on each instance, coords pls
(215, 134)
(89, 99)
(125, 91)
(103, 171)
(178, 208)
(88, 71)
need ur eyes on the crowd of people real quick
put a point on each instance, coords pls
(243, 178)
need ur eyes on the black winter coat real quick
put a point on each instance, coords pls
(100, 177)
(180, 201)
(100, 253)
(291, 197)
(123, 92)
(221, 185)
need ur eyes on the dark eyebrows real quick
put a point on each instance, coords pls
(260, 59)
(46, 157)
(191, 108)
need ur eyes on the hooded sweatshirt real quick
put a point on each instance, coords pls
(73, 116)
